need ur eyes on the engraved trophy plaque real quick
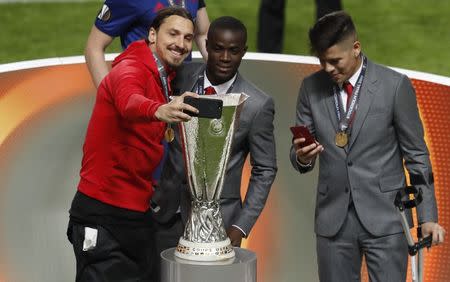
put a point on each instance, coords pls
(206, 146)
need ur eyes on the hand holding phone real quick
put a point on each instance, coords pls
(301, 131)
(207, 107)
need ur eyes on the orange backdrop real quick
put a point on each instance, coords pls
(25, 93)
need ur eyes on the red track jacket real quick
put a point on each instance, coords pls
(123, 139)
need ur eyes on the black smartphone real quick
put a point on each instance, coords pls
(207, 107)
(301, 131)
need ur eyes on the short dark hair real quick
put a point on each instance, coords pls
(228, 23)
(329, 30)
(170, 11)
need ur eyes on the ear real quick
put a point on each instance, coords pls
(152, 35)
(356, 48)
(244, 50)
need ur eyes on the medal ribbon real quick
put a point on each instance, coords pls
(162, 76)
(200, 84)
(345, 121)
(169, 135)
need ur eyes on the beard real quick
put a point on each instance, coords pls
(169, 59)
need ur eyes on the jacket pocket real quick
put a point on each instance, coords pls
(392, 182)
(132, 159)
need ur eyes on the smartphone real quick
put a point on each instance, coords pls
(301, 131)
(207, 107)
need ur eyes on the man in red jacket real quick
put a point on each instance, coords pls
(110, 226)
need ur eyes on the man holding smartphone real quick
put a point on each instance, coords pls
(364, 137)
(226, 45)
(110, 225)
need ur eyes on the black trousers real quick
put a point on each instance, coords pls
(122, 253)
(271, 26)
(167, 235)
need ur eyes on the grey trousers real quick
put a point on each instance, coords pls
(340, 257)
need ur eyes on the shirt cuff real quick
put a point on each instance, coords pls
(303, 165)
(245, 235)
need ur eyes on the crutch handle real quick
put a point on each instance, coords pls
(425, 242)
(402, 204)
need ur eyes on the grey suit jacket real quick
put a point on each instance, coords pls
(253, 136)
(386, 132)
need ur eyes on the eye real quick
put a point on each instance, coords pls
(334, 61)
(235, 50)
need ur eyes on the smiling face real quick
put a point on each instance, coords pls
(173, 40)
(341, 60)
(225, 51)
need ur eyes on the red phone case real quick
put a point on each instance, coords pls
(301, 131)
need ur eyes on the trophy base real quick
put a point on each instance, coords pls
(242, 268)
(216, 251)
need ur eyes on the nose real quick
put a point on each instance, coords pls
(328, 67)
(180, 42)
(226, 56)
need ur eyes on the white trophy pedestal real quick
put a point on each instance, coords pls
(241, 268)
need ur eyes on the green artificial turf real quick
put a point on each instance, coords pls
(411, 34)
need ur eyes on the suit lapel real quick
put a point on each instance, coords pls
(191, 81)
(239, 87)
(237, 84)
(368, 91)
(328, 100)
(331, 109)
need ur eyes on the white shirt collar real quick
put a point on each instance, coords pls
(220, 88)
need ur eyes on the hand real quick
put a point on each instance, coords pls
(305, 154)
(435, 230)
(173, 111)
(235, 236)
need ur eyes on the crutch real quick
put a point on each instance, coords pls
(403, 201)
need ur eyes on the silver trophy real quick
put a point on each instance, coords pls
(206, 146)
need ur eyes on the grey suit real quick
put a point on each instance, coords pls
(386, 132)
(253, 136)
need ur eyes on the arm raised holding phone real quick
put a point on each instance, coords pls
(175, 110)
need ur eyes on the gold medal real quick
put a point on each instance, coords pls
(169, 134)
(341, 139)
